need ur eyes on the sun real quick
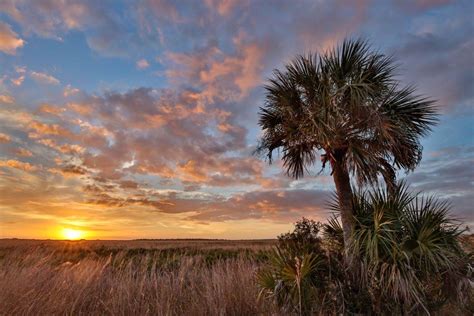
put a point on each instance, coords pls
(72, 234)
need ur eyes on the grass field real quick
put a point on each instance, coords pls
(141, 277)
(137, 277)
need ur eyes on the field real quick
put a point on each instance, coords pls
(141, 277)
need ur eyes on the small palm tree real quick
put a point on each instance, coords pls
(347, 107)
(409, 249)
(297, 270)
(291, 282)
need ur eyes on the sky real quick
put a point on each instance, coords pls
(138, 119)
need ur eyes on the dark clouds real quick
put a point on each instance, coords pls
(449, 174)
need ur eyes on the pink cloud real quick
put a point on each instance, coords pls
(224, 7)
(18, 81)
(42, 77)
(69, 91)
(50, 109)
(9, 40)
(142, 64)
(53, 19)
(6, 99)
(227, 76)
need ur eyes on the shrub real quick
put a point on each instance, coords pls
(298, 275)
(305, 238)
(410, 250)
(406, 249)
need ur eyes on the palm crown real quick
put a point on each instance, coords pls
(347, 106)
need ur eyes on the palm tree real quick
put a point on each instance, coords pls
(410, 250)
(347, 107)
(411, 260)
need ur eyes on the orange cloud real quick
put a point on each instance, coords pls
(51, 109)
(223, 7)
(23, 152)
(18, 81)
(83, 109)
(9, 40)
(71, 149)
(25, 166)
(65, 149)
(221, 172)
(6, 99)
(193, 172)
(49, 129)
(20, 70)
(251, 68)
(4, 138)
(224, 76)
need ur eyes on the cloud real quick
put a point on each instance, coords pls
(50, 109)
(223, 7)
(421, 5)
(183, 151)
(243, 70)
(106, 30)
(173, 138)
(285, 206)
(142, 64)
(80, 108)
(175, 123)
(279, 206)
(49, 129)
(448, 174)
(9, 40)
(168, 134)
(45, 18)
(23, 152)
(42, 77)
(21, 76)
(65, 148)
(4, 138)
(6, 99)
(227, 77)
(18, 81)
(448, 64)
(69, 91)
(25, 166)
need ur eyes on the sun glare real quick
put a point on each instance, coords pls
(72, 234)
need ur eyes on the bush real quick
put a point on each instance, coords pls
(305, 238)
(407, 253)
(298, 278)
(410, 250)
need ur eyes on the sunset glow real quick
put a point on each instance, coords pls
(139, 119)
(72, 234)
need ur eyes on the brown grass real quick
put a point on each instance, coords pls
(131, 277)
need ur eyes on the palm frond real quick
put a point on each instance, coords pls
(406, 241)
(345, 100)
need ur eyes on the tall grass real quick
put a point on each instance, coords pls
(77, 278)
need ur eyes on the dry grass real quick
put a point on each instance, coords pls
(131, 277)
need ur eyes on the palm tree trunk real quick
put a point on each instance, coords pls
(344, 192)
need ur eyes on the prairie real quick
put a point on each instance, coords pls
(141, 277)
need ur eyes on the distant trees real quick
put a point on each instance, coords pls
(347, 107)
